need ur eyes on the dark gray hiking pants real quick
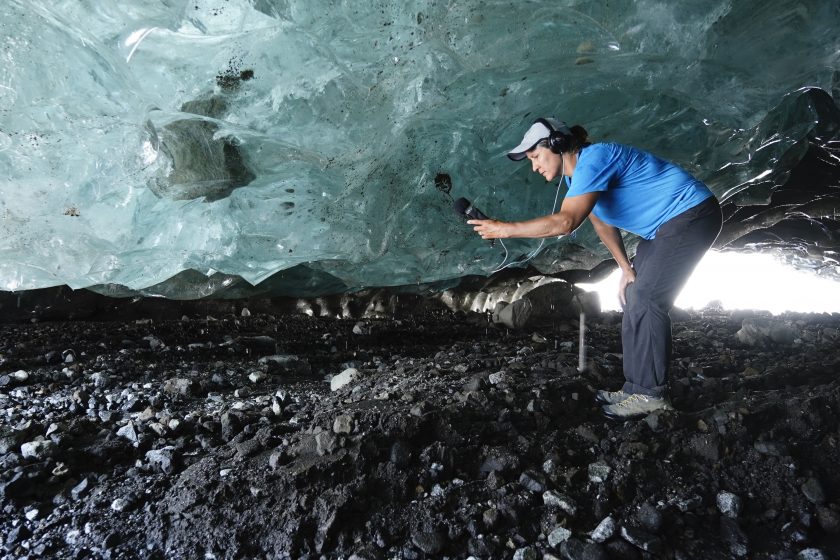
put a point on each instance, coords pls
(662, 266)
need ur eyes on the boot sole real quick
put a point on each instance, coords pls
(638, 416)
(619, 418)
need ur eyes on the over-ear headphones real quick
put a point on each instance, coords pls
(558, 141)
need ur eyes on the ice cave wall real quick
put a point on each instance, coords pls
(197, 148)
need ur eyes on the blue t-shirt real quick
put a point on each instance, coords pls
(639, 191)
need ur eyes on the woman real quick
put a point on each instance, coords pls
(619, 187)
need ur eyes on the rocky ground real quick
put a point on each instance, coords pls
(433, 436)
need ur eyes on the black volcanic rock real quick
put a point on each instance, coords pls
(175, 450)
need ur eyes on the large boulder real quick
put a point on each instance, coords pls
(547, 304)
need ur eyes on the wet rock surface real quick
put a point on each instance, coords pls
(225, 438)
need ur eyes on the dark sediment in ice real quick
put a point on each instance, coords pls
(451, 437)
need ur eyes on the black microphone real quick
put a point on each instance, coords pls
(465, 208)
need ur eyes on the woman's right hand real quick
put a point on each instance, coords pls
(627, 277)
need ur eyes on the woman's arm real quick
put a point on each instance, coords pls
(572, 213)
(611, 238)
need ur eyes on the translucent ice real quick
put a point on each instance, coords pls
(178, 147)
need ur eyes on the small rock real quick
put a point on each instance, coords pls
(770, 448)
(474, 384)
(828, 519)
(230, 424)
(276, 406)
(649, 517)
(285, 364)
(16, 535)
(495, 481)
(262, 345)
(811, 554)
(158, 428)
(121, 504)
(642, 539)
(498, 377)
(162, 459)
(729, 504)
(759, 331)
(533, 481)
(419, 409)
(657, 420)
(343, 424)
(574, 549)
(146, 415)
(430, 542)
(128, 432)
(39, 449)
(400, 453)
(619, 549)
(178, 386)
(249, 447)
(154, 342)
(599, 472)
(604, 531)
(8, 442)
(344, 378)
(276, 458)
(732, 534)
(526, 553)
(20, 375)
(813, 490)
(325, 443)
(558, 536)
(80, 489)
(554, 499)
(256, 376)
(490, 518)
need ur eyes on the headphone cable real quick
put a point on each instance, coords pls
(533, 253)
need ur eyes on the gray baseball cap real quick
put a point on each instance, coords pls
(540, 130)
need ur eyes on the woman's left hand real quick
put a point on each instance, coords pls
(490, 229)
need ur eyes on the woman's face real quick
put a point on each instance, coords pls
(545, 162)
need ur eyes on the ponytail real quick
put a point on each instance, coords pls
(579, 139)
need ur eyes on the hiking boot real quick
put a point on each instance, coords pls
(636, 406)
(610, 397)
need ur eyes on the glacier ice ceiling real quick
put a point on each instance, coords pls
(232, 147)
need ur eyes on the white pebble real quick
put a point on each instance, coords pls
(558, 536)
(605, 530)
(729, 504)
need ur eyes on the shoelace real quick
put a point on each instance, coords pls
(631, 399)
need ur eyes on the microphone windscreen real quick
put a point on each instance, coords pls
(461, 205)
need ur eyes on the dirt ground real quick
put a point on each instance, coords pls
(453, 437)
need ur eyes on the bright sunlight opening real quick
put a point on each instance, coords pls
(743, 281)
